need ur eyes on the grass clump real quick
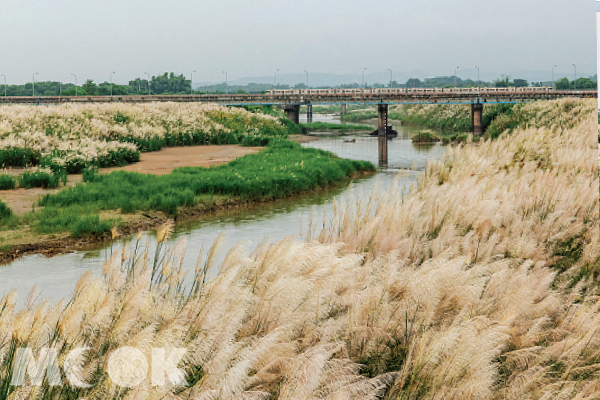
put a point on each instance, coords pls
(324, 126)
(425, 136)
(281, 170)
(39, 179)
(5, 212)
(7, 182)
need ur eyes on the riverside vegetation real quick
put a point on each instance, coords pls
(481, 283)
(70, 138)
(455, 120)
(79, 139)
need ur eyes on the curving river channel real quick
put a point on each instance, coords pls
(55, 277)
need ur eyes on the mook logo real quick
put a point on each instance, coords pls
(127, 367)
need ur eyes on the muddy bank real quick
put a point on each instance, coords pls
(144, 221)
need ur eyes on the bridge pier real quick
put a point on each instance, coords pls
(382, 111)
(309, 113)
(477, 118)
(343, 111)
(292, 112)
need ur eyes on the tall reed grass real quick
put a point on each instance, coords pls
(452, 292)
(72, 137)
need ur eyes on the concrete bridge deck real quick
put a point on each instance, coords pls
(314, 99)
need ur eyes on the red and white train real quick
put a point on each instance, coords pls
(471, 90)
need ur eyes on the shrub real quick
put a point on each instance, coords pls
(39, 179)
(7, 182)
(5, 212)
(425, 137)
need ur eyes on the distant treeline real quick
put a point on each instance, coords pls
(169, 83)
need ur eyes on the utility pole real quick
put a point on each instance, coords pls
(111, 83)
(553, 84)
(306, 78)
(33, 80)
(75, 84)
(4, 84)
(455, 72)
(575, 81)
(363, 77)
(192, 82)
(391, 76)
(225, 72)
(149, 91)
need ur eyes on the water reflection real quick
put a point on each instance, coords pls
(56, 276)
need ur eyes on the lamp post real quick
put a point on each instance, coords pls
(275, 78)
(478, 82)
(33, 80)
(391, 76)
(75, 84)
(4, 76)
(306, 78)
(225, 72)
(149, 92)
(192, 82)
(455, 72)
(575, 81)
(553, 84)
(111, 83)
(363, 77)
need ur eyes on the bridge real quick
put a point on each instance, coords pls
(291, 102)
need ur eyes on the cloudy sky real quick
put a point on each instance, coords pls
(252, 38)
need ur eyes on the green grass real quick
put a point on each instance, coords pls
(324, 126)
(281, 170)
(357, 116)
(41, 179)
(7, 182)
(5, 212)
(425, 137)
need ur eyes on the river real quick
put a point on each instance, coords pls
(55, 277)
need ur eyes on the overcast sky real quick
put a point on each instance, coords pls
(254, 37)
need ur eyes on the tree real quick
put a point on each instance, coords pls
(90, 87)
(413, 83)
(503, 82)
(521, 83)
(563, 84)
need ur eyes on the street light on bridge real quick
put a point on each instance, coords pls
(363, 77)
(455, 72)
(306, 78)
(553, 84)
(478, 82)
(111, 84)
(4, 76)
(575, 81)
(225, 72)
(192, 82)
(33, 80)
(391, 76)
(75, 84)
(275, 78)
(149, 92)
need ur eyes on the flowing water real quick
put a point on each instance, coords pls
(55, 277)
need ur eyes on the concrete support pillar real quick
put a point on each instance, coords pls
(309, 113)
(382, 111)
(292, 112)
(343, 112)
(477, 118)
(383, 150)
